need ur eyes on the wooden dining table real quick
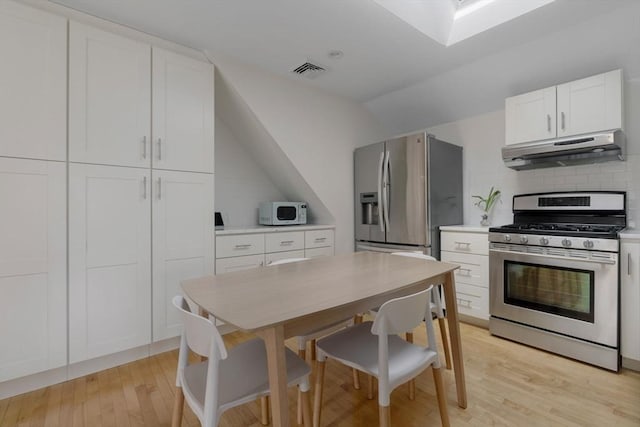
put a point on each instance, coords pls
(287, 300)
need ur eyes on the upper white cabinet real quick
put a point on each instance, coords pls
(33, 83)
(109, 98)
(183, 113)
(588, 105)
(109, 260)
(630, 301)
(183, 236)
(33, 277)
(116, 92)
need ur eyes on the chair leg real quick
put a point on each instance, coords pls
(385, 416)
(312, 350)
(302, 352)
(178, 406)
(306, 408)
(445, 341)
(317, 401)
(356, 379)
(442, 396)
(264, 410)
(370, 387)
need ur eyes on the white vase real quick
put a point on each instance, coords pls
(484, 221)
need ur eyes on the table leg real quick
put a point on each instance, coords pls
(276, 362)
(454, 335)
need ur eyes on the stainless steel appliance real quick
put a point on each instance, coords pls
(283, 213)
(405, 188)
(554, 274)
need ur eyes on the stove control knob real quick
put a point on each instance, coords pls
(507, 238)
(566, 242)
(544, 241)
(588, 244)
(524, 239)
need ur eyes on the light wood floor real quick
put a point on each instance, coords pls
(508, 385)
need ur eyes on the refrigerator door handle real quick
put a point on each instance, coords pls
(386, 184)
(380, 197)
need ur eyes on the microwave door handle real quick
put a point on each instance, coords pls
(386, 190)
(380, 198)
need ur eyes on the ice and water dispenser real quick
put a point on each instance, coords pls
(369, 206)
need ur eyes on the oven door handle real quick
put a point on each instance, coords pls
(592, 260)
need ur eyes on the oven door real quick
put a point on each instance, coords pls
(574, 293)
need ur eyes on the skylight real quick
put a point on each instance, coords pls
(451, 21)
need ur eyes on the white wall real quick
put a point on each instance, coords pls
(482, 137)
(316, 131)
(241, 184)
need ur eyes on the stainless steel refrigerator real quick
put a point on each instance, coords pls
(405, 188)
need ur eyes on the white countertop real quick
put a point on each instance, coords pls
(270, 229)
(465, 228)
(630, 233)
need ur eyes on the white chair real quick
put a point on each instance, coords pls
(226, 379)
(374, 348)
(313, 334)
(436, 307)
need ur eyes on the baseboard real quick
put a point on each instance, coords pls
(32, 382)
(632, 364)
(483, 323)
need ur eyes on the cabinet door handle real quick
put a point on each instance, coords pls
(562, 120)
(245, 246)
(628, 263)
(286, 242)
(548, 123)
(159, 148)
(159, 188)
(144, 187)
(467, 244)
(468, 271)
(144, 147)
(320, 239)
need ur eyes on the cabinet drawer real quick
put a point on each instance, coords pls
(472, 300)
(318, 238)
(277, 256)
(474, 269)
(318, 252)
(470, 243)
(244, 244)
(279, 242)
(228, 265)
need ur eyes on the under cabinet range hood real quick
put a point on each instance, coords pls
(574, 150)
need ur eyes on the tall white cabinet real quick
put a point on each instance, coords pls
(33, 212)
(630, 299)
(33, 277)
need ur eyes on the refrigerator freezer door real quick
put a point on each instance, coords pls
(368, 175)
(406, 222)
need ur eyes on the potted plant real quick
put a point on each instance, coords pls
(486, 204)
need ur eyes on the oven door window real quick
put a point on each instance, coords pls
(562, 291)
(286, 213)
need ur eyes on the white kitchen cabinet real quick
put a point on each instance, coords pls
(109, 260)
(228, 265)
(286, 241)
(531, 116)
(33, 83)
(183, 232)
(318, 252)
(183, 113)
(630, 301)
(269, 258)
(587, 105)
(469, 248)
(109, 98)
(33, 277)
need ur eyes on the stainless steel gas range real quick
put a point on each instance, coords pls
(554, 274)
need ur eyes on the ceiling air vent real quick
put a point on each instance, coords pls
(309, 70)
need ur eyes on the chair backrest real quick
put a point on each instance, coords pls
(200, 333)
(402, 314)
(415, 255)
(287, 261)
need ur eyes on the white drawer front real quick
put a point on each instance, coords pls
(228, 265)
(473, 300)
(276, 256)
(239, 245)
(474, 269)
(279, 242)
(318, 238)
(318, 252)
(470, 243)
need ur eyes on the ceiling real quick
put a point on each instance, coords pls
(382, 53)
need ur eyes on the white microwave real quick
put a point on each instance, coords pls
(283, 213)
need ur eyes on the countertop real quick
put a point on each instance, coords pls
(270, 229)
(630, 233)
(465, 228)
